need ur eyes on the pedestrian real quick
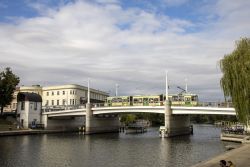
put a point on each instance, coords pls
(230, 164)
(223, 163)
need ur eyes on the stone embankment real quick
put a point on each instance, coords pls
(29, 132)
(239, 156)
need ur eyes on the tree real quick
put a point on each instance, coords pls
(235, 81)
(8, 83)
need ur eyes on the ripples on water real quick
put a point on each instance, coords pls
(111, 150)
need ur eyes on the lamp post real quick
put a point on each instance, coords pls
(116, 89)
(88, 92)
(166, 85)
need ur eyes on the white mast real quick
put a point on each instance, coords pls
(186, 88)
(88, 92)
(166, 85)
(116, 89)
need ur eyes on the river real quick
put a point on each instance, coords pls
(111, 150)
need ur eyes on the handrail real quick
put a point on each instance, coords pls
(161, 103)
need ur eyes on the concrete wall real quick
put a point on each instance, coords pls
(180, 125)
(63, 123)
(175, 124)
(104, 124)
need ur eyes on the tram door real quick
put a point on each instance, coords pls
(145, 101)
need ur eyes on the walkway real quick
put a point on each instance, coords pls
(239, 156)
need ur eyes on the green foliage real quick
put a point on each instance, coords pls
(211, 119)
(155, 119)
(128, 118)
(235, 81)
(8, 83)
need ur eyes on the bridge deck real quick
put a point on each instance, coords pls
(176, 110)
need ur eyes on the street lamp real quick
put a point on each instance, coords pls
(116, 89)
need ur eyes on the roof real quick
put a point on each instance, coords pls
(25, 96)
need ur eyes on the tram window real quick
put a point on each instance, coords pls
(145, 99)
(136, 100)
(187, 99)
(151, 100)
(156, 100)
(140, 100)
(119, 100)
(124, 100)
(181, 98)
(194, 98)
(175, 98)
(114, 100)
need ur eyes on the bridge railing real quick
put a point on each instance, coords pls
(96, 105)
(62, 107)
(216, 104)
(161, 103)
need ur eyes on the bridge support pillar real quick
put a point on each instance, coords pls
(88, 118)
(100, 124)
(44, 120)
(175, 124)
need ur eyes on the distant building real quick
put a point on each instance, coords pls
(71, 94)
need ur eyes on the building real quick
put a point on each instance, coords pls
(29, 107)
(30, 89)
(71, 94)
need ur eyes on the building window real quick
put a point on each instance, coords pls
(64, 102)
(47, 102)
(14, 105)
(52, 102)
(58, 93)
(35, 105)
(63, 92)
(57, 103)
(73, 101)
(47, 93)
(70, 102)
(75, 92)
(70, 92)
(22, 105)
(52, 93)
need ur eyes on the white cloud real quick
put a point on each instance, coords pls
(171, 3)
(131, 47)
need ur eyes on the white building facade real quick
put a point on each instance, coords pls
(70, 95)
(29, 107)
(62, 95)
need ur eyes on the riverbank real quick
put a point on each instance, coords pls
(29, 132)
(239, 156)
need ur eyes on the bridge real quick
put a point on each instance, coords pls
(176, 110)
(99, 118)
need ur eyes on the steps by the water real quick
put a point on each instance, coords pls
(6, 125)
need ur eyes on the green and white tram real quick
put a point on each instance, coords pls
(182, 99)
(147, 100)
(117, 101)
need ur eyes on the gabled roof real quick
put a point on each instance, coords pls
(25, 96)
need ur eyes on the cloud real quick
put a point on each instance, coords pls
(172, 3)
(131, 47)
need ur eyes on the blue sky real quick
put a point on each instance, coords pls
(132, 42)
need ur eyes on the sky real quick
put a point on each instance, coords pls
(126, 42)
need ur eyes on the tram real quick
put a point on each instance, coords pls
(182, 99)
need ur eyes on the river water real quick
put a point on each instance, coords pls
(111, 150)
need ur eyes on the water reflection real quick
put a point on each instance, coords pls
(111, 149)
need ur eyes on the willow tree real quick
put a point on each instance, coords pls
(235, 81)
